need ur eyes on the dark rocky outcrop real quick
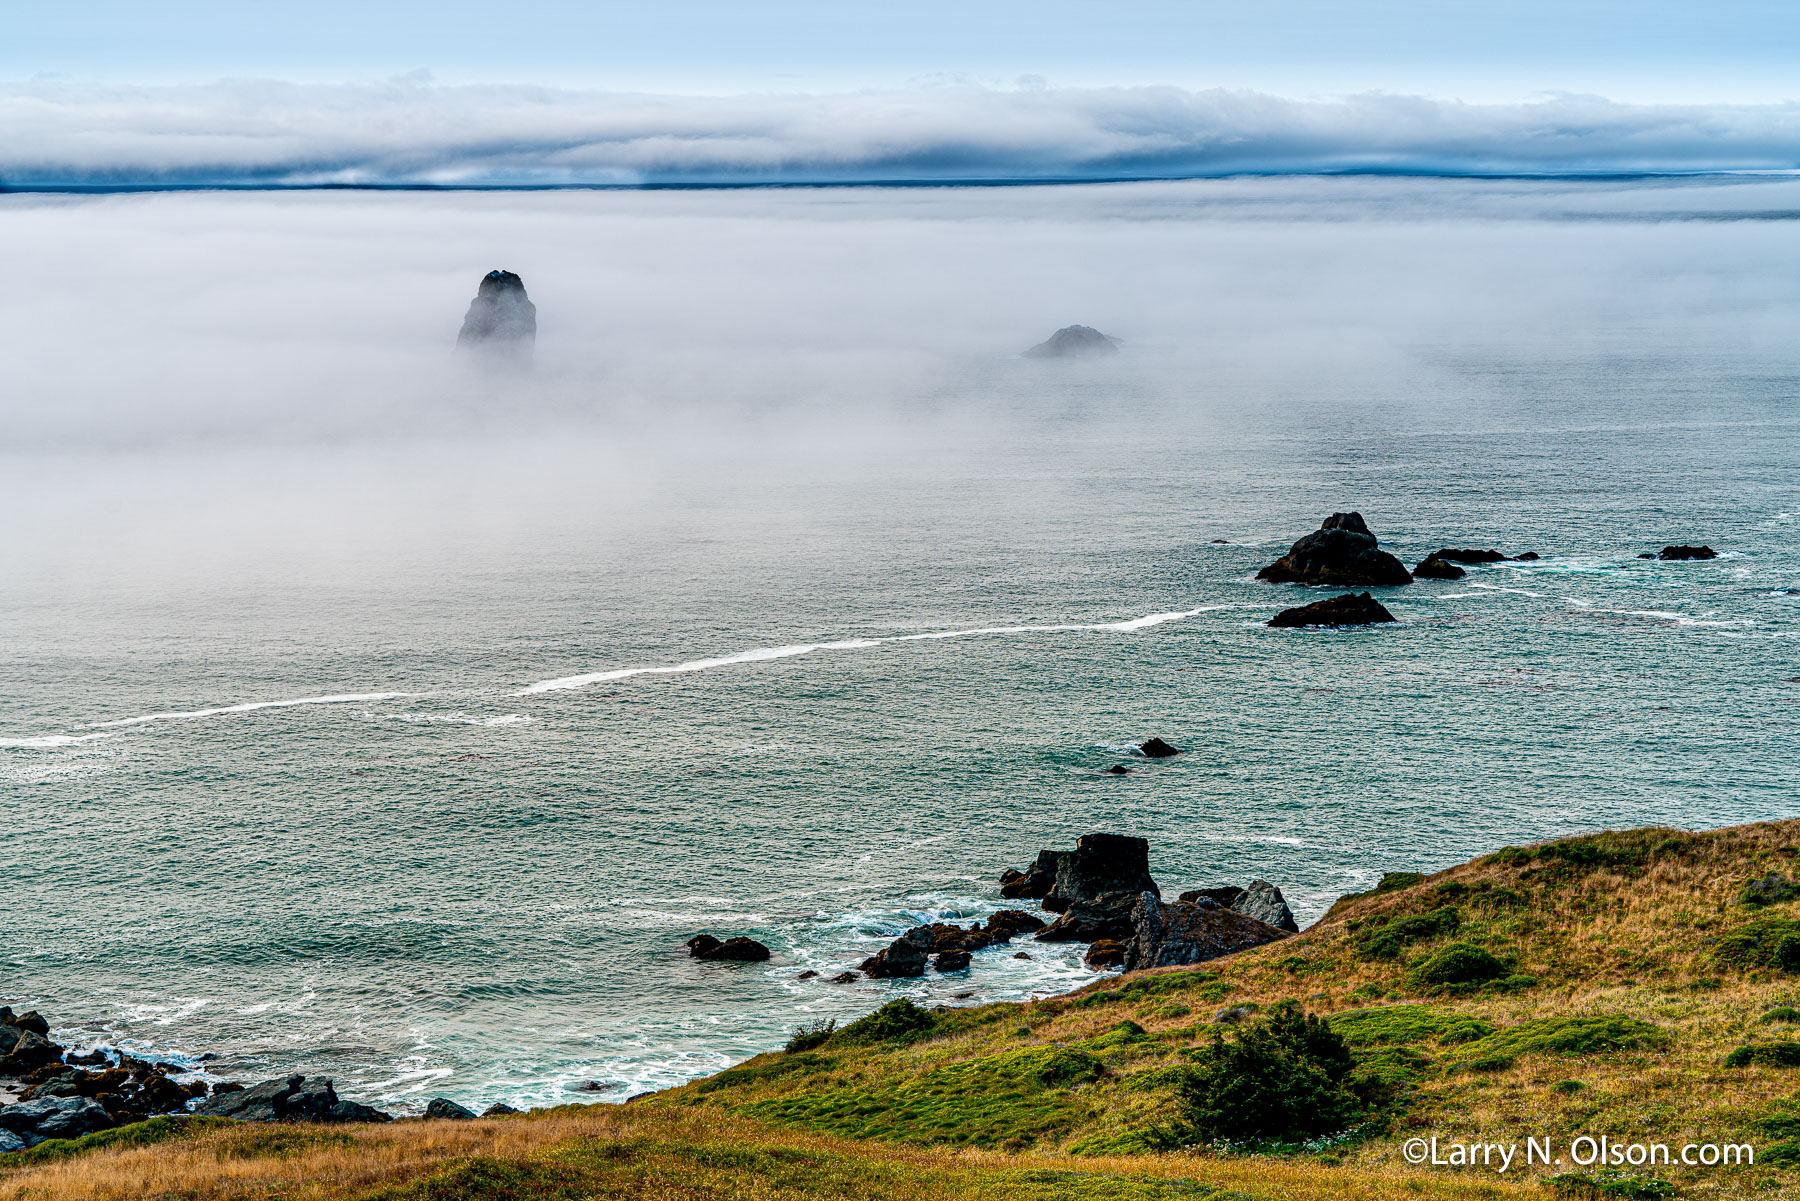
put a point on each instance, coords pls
(1101, 865)
(1156, 748)
(1008, 923)
(1118, 769)
(1222, 898)
(30, 1020)
(846, 978)
(1092, 919)
(500, 316)
(1165, 935)
(739, 948)
(947, 937)
(1036, 881)
(951, 961)
(1107, 952)
(1436, 568)
(1451, 554)
(905, 956)
(1264, 902)
(444, 1107)
(1350, 609)
(293, 1099)
(28, 1052)
(1074, 340)
(31, 1122)
(1680, 553)
(499, 1109)
(1342, 553)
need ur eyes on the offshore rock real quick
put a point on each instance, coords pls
(1678, 553)
(1156, 748)
(1074, 340)
(501, 315)
(741, 949)
(1451, 554)
(903, 957)
(1342, 553)
(1350, 609)
(1436, 567)
(1094, 919)
(1036, 881)
(951, 961)
(1165, 935)
(1003, 926)
(1101, 865)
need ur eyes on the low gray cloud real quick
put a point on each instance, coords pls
(413, 131)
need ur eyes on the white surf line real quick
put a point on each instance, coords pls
(47, 741)
(765, 654)
(249, 707)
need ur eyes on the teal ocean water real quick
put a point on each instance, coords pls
(364, 715)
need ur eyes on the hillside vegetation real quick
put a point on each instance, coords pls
(1644, 985)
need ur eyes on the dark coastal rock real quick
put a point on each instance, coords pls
(846, 978)
(903, 957)
(739, 948)
(1107, 952)
(1101, 865)
(445, 1108)
(1350, 609)
(54, 1117)
(1073, 340)
(1437, 568)
(1021, 955)
(498, 1109)
(29, 1051)
(30, 1020)
(1118, 769)
(1156, 748)
(1452, 554)
(1036, 881)
(809, 974)
(951, 961)
(1529, 556)
(500, 316)
(1264, 902)
(1009, 923)
(1342, 553)
(1165, 935)
(946, 937)
(1679, 553)
(1090, 920)
(293, 1099)
(10, 1142)
(1223, 898)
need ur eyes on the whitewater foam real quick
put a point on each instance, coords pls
(767, 654)
(249, 707)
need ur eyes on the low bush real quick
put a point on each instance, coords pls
(1459, 963)
(899, 1021)
(1781, 1013)
(811, 1036)
(1284, 1078)
(1765, 1055)
(1572, 1036)
(1386, 939)
(1399, 1024)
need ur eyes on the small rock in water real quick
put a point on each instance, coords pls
(501, 316)
(595, 1086)
(962, 996)
(1436, 567)
(1452, 554)
(1678, 553)
(1350, 609)
(807, 975)
(1529, 556)
(905, 956)
(1156, 748)
(951, 961)
(1074, 340)
(1021, 955)
(1118, 769)
(744, 950)
(1009, 922)
(846, 978)
(446, 1109)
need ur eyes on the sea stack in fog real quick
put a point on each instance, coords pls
(1073, 340)
(1341, 553)
(501, 315)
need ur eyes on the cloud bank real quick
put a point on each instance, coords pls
(414, 132)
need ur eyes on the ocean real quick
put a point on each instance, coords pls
(372, 712)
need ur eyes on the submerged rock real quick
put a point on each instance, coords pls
(293, 1099)
(1156, 748)
(501, 315)
(1453, 554)
(1118, 769)
(739, 948)
(1165, 935)
(1342, 553)
(1350, 609)
(1072, 340)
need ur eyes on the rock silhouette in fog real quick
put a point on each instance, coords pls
(500, 316)
(1341, 553)
(1073, 340)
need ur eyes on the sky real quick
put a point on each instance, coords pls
(554, 91)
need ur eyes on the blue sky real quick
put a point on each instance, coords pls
(1481, 50)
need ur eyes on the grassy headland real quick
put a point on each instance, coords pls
(1630, 984)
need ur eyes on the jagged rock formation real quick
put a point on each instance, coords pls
(500, 316)
(1073, 340)
(1156, 748)
(1264, 902)
(1165, 935)
(744, 950)
(1350, 609)
(905, 956)
(1342, 553)
(293, 1099)
(1102, 865)
(1679, 553)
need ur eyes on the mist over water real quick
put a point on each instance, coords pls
(317, 746)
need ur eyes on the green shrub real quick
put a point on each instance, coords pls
(759, 1073)
(1787, 953)
(1490, 1063)
(1755, 944)
(1780, 1155)
(1395, 881)
(899, 1021)
(1284, 1078)
(811, 1036)
(1772, 889)
(1459, 963)
(1386, 939)
(1765, 1055)
(1781, 1013)
(1395, 1024)
(1572, 1036)
(1567, 1087)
